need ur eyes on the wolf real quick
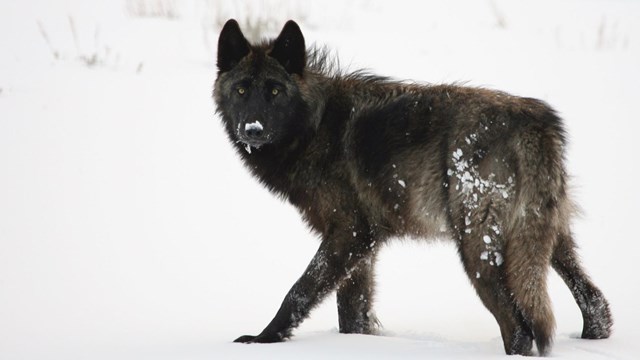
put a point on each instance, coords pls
(366, 159)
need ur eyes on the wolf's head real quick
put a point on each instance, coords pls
(257, 90)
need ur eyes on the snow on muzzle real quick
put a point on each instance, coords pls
(254, 130)
(252, 134)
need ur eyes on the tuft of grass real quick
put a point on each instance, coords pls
(45, 36)
(98, 55)
(501, 21)
(257, 18)
(167, 9)
(608, 36)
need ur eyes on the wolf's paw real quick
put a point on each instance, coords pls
(519, 343)
(262, 338)
(597, 320)
(600, 329)
(245, 339)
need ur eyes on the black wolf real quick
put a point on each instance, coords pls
(366, 159)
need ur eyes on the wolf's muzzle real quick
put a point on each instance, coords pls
(253, 134)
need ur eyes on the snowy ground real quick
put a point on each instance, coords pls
(129, 229)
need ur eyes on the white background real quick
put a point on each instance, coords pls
(130, 230)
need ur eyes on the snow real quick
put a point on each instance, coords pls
(484, 255)
(256, 125)
(499, 258)
(123, 206)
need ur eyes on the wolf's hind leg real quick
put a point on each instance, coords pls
(527, 258)
(597, 319)
(481, 252)
(355, 300)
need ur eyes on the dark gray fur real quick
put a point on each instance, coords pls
(366, 159)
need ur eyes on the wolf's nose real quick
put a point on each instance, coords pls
(253, 133)
(254, 130)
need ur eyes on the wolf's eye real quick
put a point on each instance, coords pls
(275, 91)
(241, 90)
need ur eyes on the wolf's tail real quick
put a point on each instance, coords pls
(541, 208)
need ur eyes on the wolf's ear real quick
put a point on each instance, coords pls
(232, 46)
(289, 48)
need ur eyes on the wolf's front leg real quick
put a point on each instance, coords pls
(336, 258)
(355, 300)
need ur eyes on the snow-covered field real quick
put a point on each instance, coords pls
(130, 230)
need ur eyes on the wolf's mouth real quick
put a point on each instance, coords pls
(250, 144)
